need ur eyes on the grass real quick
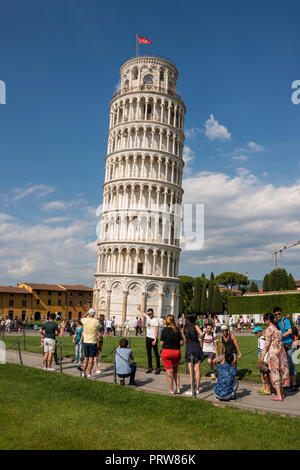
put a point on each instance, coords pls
(40, 410)
(247, 365)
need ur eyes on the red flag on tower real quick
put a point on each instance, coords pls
(144, 40)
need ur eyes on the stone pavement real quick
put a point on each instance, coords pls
(247, 396)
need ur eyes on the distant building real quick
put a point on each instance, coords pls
(35, 301)
(235, 292)
(15, 302)
(297, 284)
(47, 298)
(79, 299)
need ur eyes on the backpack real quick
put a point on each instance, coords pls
(295, 333)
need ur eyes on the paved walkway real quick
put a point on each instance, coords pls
(247, 396)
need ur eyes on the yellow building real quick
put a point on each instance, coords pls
(46, 299)
(15, 302)
(79, 300)
(36, 301)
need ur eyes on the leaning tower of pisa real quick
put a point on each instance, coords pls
(138, 245)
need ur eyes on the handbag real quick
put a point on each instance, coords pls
(261, 365)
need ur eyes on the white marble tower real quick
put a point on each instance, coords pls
(138, 245)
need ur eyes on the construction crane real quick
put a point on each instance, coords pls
(281, 249)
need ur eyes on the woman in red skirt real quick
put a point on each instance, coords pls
(171, 342)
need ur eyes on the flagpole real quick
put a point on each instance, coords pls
(137, 46)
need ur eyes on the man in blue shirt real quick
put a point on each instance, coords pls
(227, 383)
(285, 325)
(123, 366)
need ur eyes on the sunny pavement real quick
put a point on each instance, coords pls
(247, 397)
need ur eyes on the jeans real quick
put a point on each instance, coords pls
(78, 351)
(290, 353)
(132, 373)
(149, 347)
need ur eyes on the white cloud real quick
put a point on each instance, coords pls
(62, 205)
(214, 130)
(55, 220)
(39, 190)
(240, 157)
(245, 220)
(242, 171)
(53, 253)
(255, 147)
(189, 133)
(188, 156)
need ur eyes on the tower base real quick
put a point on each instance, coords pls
(119, 296)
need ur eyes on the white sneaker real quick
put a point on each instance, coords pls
(89, 376)
(45, 368)
(212, 376)
(189, 392)
(51, 369)
(98, 371)
(197, 391)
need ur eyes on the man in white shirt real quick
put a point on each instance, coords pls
(209, 343)
(108, 327)
(152, 327)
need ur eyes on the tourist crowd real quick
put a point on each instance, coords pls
(203, 339)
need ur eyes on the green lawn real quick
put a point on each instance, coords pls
(40, 410)
(247, 365)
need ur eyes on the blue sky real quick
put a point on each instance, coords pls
(60, 61)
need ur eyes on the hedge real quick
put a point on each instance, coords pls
(259, 304)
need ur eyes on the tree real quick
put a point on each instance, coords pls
(291, 282)
(253, 287)
(230, 279)
(211, 289)
(217, 305)
(187, 285)
(278, 279)
(204, 298)
(266, 283)
(196, 302)
(181, 306)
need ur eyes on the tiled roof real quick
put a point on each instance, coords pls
(78, 287)
(44, 286)
(14, 290)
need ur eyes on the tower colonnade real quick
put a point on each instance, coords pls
(139, 229)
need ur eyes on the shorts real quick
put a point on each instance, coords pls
(90, 349)
(222, 357)
(108, 330)
(49, 345)
(210, 355)
(171, 358)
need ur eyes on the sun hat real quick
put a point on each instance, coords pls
(91, 311)
(257, 329)
(224, 327)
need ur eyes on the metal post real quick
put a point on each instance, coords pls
(19, 348)
(193, 377)
(115, 371)
(60, 358)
